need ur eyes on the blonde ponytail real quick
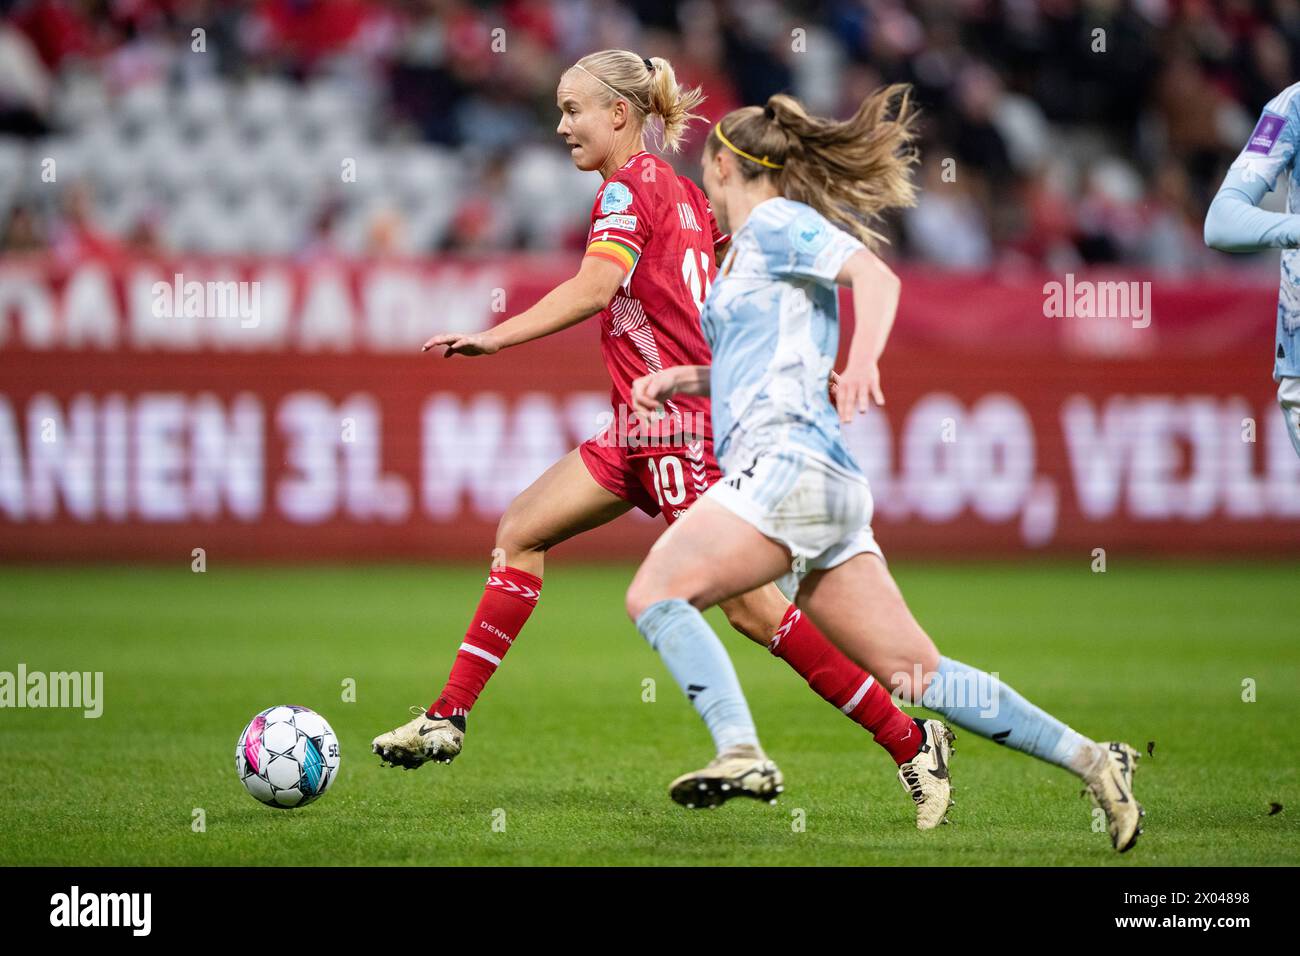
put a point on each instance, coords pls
(671, 102)
(649, 86)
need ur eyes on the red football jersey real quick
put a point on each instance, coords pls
(660, 228)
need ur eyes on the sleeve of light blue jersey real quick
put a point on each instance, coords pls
(1234, 221)
(811, 248)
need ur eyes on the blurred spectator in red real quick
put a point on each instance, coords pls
(58, 29)
(486, 220)
(75, 234)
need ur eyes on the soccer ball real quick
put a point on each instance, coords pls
(287, 756)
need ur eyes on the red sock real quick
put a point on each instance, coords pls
(837, 679)
(508, 598)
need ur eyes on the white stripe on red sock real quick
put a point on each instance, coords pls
(479, 652)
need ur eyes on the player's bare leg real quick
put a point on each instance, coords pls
(708, 556)
(859, 607)
(757, 614)
(564, 501)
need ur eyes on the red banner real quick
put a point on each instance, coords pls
(282, 410)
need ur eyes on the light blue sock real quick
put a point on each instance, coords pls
(981, 703)
(699, 663)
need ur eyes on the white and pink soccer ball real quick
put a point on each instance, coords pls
(287, 756)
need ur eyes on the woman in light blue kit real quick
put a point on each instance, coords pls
(1234, 223)
(798, 192)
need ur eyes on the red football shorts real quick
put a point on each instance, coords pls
(662, 479)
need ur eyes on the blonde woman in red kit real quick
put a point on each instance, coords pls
(649, 261)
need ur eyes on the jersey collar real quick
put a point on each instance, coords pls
(631, 159)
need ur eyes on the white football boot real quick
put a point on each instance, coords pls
(421, 739)
(925, 777)
(1110, 785)
(737, 772)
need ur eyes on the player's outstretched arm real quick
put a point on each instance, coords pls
(1234, 223)
(567, 304)
(875, 301)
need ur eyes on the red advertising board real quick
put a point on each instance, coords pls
(282, 410)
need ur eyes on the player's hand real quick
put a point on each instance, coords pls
(650, 391)
(458, 343)
(855, 389)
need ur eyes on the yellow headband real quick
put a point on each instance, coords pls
(740, 152)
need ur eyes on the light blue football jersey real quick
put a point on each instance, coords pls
(1270, 151)
(772, 322)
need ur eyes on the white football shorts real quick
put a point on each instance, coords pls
(818, 511)
(1288, 396)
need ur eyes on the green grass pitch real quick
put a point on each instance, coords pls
(563, 750)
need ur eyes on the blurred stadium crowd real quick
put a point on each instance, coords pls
(205, 126)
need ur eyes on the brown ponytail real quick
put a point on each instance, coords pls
(852, 172)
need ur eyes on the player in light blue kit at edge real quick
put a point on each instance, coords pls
(797, 193)
(1234, 223)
